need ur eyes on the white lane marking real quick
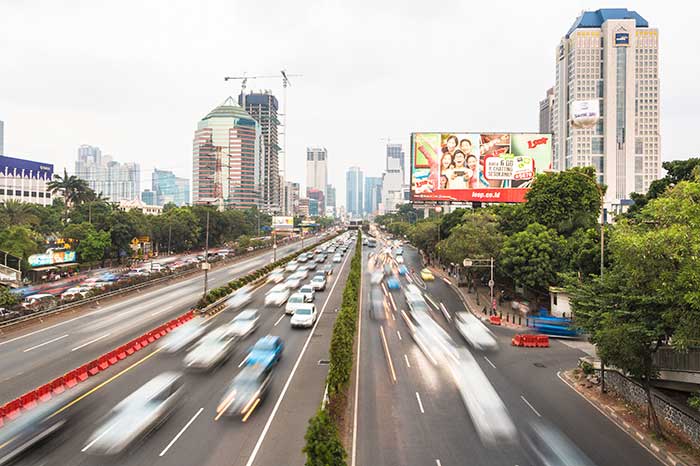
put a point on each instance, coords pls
(438, 463)
(97, 439)
(357, 380)
(182, 431)
(45, 343)
(91, 342)
(446, 281)
(393, 304)
(410, 280)
(279, 320)
(489, 361)
(531, 407)
(388, 354)
(398, 334)
(408, 364)
(243, 362)
(160, 312)
(420, 403)
(444, 312)
(431, 300)
(263, 434)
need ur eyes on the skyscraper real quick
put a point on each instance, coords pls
(316, 168)
(263, 108)
(318, 196)
(2, 137)
(169, 188)
(226, 158)
(393, 178)
(116, 181)
(291, 198)
(546, 111)
(609, 60)
(373, 194)
(330, 196)
(353, 192)
(395, 158)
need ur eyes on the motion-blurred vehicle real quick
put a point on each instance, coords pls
(212, 350)
(399, 250)
(291, 266)
(302, 258)
(308, 292)
(245, 323)
(475, 332)
(75, 292)
(137, 415)
(311, 265)
(48, 418)
(266, 352)
(337, 258)
(301, 273)
(304, 316)
(399, 259)
(245, 392)
(39, 301)
(427, 275)
(376, 303)
(328, 269)
(276, 276)
(376, 277)
(294, 302)
(412, 289)
(318, 282)
(240, 298)
(320, 258)
(183, 337)
(393, 283)
(293, 282)
(547, 446)
(403, 270)
(277, 295)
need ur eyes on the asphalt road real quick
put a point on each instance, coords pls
(192, 435)
(43, 351)
(419, 417)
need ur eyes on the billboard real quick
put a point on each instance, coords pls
(282, 223)
(15, 167)
(476, 167)
(52, 257)
(585, 113)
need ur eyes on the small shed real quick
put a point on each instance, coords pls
(559, 302)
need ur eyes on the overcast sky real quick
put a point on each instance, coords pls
(134, 77)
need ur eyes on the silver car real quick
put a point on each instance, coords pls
(246, 391)
(137, 415)
(183, 337)
(245, 323)
(212, 350)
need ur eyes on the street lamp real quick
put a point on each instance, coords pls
(205, 265)
(483, 263)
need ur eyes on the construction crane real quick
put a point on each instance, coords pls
(244, 79)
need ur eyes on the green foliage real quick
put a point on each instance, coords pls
(19, 241)
(451, 220)
(424, 234)
(323, 446)
(534, 256)
(92, 248)
(7, 299)
(477, 238)
(694, 401)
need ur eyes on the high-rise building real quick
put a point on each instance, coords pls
(316, 168)
(546, 111)
(115, 181)
(319, 197)
(353, 192)
(226, 158)
(609, 59)
(169, 188)
(314, 207)
(395, 158)
(148, 197)
(263, 107)
(2, 137)
(291, 198)
(330, 195)
(303, 208)
(373, 194)
(25, 181)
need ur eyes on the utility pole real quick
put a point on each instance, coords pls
(170, 235)
(274, 246)
(206, 257)
(491, 284)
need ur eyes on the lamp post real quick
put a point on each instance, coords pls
(205, 266)
(483, 263)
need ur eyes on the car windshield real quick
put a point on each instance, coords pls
(303, 312)
(306, 289)
(266, 344)
(245, 316)
(296, 299)
(317, 278)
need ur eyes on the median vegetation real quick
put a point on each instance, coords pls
(323, 444)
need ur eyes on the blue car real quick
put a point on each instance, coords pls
(267, 351)
(403, 270)
(393, 283)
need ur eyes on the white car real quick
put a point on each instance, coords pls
(294, 302)
(245, 323)
(308, 292)
(301, 274)
(475, 332)
(276, 276)
(183, 337)
(277, 295)
(291, 266)
(156, 267)
(76, 291)
(399, 259)
(240, 298)
(305, 316)
(292, 282)
(337, 258)
(212, 350)
(412, 289)
(319, 282)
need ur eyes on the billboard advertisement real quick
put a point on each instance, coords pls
(15, 167)
(52, 257)
(585, 113)
(283, 223)
(477, 167)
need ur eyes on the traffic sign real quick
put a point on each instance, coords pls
(467, 262)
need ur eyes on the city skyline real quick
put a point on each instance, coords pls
(134, 127)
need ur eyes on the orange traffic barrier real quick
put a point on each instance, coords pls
(112, 358)
(495, 320)
(70, 380)
(29, 400)
(137, 344)
(12, 409)
(121, 352)
(93, 367)
(2, 415)
(542, 341)
(151, 337)
(517, 340)
(44, 392)
(82, 373)
(57, 386)
(103, 362)
(143, 340)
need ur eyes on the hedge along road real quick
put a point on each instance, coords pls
(95, 332)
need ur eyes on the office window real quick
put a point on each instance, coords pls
(597, 144)
(18, 192)
(309, 156)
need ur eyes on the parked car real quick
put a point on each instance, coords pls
(304, 316)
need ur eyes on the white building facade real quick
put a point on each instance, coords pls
(317, 168)
(114, 180)
(610, 58)
(25, 181)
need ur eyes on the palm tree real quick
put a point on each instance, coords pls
(18, 213)
(73, 189)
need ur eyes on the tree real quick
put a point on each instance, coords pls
(92, 248)
(565, 201)
(425, 234)
(7, 298)
(451, 220)
(583, 252)
(533, 257)
(17, 213)
(512, 218)
(19, 241)
(72, 188)
(323, 446)
(477, 237)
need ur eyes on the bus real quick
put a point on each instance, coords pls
(554, 326)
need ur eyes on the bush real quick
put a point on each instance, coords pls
(694, 401)
(323, 446)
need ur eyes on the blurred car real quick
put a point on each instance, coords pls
(293, 282)
(48, 418)
(427, 275)
(156, 267)
(302, 258)
(276, 276)
(266, 352)
(337, 258)
(475, 332)
(376, 277)
(291, 266)
(294, 302)
(277, 295)
(183, 337)
(308, 292)
(212, 350)
(393, 283)
(301, 274)
(318, 282)
(403, 270)
(39, 301)
(312, 265)
(245, 391)
(320, 258)
(240, 298)
(399, 250)
(304, 316)
(399, 259)
(245, 323)
(547, 446)
(75, 292)
(328, 269)
(376, 303)
(137, 415)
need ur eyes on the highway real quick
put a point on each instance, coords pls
(42, 351)
(272, 435)
(409, 410)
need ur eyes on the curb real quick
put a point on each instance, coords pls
(660, 453)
